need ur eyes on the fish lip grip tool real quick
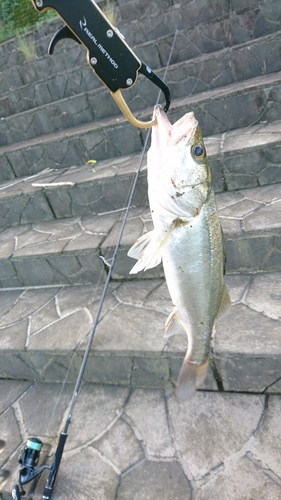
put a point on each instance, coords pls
(111, 59)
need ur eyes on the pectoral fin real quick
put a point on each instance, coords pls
(181, 206)
(148, 250)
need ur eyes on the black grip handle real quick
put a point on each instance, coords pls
(108, 54)
(54, 467)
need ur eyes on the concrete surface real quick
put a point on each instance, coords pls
(44, 332)
(143, 444)
(67, 251)
(130, 439)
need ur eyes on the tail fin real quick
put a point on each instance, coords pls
(190, 374)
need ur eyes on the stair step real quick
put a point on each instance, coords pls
(223, 109)
(74, 146)
(76, 191)
(203, 72)
(90, 189)
(207, 27)
(201, 31)
(68, 251)
(217, 110)
(239, 159)
(44, 333)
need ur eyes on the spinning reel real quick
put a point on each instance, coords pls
(28, 459)
(3, 473)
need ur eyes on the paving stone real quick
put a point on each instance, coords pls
(274, 388)
(156, 439)
(152, 480)
(219, 417)
(144, 443)
(93, 140)
(11, 390)
(266, 450)
(41, 329)
(270, 304)
(137, 440)
(251, 335)
(77, 326)
(255, 374)
(214, 72)
(13, 367)
(154, 24)
(10, 433)
(110, 369)
(243, 479)
(103, 482)
(67, 250)
(140, 329)
(111, 445)
(37, 401)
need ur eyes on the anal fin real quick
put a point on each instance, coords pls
(173, 325)
(225, 302)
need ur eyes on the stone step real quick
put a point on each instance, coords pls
(98, 140)
(247, 60)
(217, 110)
(223, 109)
(44, 333)
(68, 251)
(208, 26)
(11, 56)
(202, 29)
(242, 159)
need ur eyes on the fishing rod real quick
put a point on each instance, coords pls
(30, 452)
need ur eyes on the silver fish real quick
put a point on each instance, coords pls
(187, 237)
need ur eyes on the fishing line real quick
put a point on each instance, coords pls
(201, 62)
(31, 451)
(113, 260)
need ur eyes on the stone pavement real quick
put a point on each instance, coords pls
(129, 438)
(44, 333)
(67, 251)
(143, 444)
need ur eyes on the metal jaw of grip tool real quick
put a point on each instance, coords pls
(108, 54)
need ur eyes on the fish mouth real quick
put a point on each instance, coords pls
(184, 128)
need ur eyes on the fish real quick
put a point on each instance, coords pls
(187, 238)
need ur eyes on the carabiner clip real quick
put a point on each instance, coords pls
(120, 101)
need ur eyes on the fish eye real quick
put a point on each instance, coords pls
(198, 151)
